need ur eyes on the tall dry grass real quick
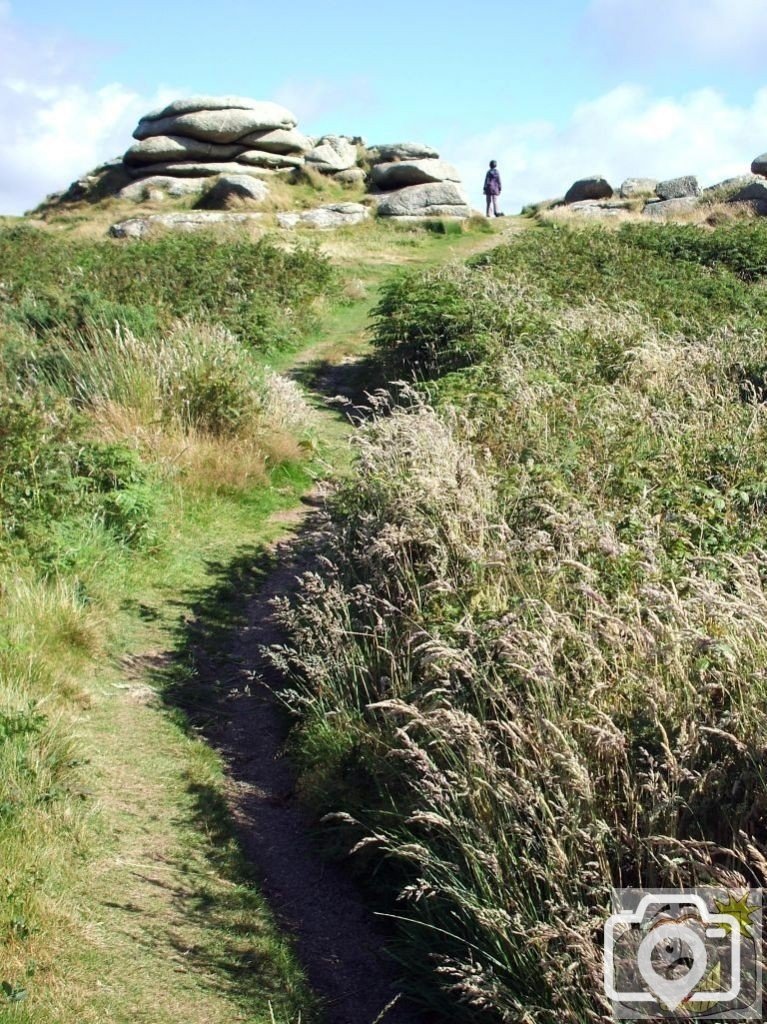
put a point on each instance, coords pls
(194, 400)
(532, 662)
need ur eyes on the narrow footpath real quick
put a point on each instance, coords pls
(226, 697)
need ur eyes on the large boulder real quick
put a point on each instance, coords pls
(400, 151)
(632, 187)
(678, 188)
(400, 174)
(257, 158)
(665, 208)
(593, 208)
(595, 187)
(221, 125)
(754, 190)
(730, 186)
(351, 176)
(331, 154)
(239, 187)
(436, 199)
(281, 140)
(191, 104)
(160, 187)
(333, 215)
(169, 148)
(759, 165)
(189, 220)
(191, 169)
(755, 193)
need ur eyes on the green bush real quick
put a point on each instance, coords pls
(427, 324)
(263, 293)
(740, 247)
(50, 474)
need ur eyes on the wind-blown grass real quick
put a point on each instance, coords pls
(533, 665)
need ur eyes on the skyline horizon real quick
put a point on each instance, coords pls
(587, 96)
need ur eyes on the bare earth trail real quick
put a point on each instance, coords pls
(228, 694)
(335, 936)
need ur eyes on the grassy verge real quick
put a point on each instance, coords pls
(138, 441)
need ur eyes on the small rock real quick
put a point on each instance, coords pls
(332, 153)
(175, 188)
(192, 220)
(351, 176)
(333, 215)
(632, 187)
(436, 199)
(400, 151)
(759, 165)
(169, 148)
(678, 188)
(234, 186)
(595, 187)
(281, 140)
(594, 208)
(190, 169)
(663, 208)
(257, 158)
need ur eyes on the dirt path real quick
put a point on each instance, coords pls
(336, 938)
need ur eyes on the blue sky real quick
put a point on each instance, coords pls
(553, 90)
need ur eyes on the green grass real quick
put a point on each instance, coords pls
(134, 448)
(126, 897)
(135, 462)
(263, 293)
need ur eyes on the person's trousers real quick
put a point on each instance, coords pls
(491, 199)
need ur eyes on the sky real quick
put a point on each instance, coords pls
(553, 90)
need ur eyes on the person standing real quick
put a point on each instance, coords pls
(492, 188)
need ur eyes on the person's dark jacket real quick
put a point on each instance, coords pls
(492, 185)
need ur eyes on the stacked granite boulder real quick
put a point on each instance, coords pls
(410, 181)
(200, 137)
(222, 151)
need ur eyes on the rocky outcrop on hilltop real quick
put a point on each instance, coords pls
(225, 150)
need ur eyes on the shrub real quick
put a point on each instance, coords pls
(430, 323)
(261, 292)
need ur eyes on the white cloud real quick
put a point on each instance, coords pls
(707, 29)
(55, 127)
(625, 133)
